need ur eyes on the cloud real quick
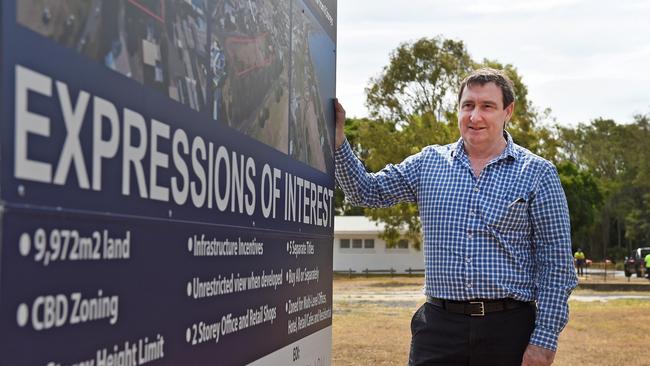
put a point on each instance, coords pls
(555, 45)
(493, 7)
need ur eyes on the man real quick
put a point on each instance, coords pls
(579, 257)
(647, 265)
(496, 235)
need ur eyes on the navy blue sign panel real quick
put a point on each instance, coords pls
(83, 136)
(166, 181)
(77, 288)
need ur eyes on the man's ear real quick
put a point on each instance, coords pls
(509, 110)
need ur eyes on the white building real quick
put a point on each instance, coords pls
(357, 247)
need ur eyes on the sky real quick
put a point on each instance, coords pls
(582, 59)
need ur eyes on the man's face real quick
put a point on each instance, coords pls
(481, 115)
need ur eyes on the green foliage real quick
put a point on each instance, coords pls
(383, 144)
(414, 104)
(617, 156)
(583, 197)
(618, 254)
(401, 220)
(523, 125)
(421, 77)
(604, 166)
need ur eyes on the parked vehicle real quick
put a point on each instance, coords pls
(635, 263)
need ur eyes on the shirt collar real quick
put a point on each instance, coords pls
(508, 152)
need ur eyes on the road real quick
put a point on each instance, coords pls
(407, 298)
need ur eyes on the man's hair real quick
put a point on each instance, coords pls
(486, 75)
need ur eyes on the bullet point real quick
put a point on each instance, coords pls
(188, 335)
(189, 245)
(25, 244)
(189, 289)
(22, 315)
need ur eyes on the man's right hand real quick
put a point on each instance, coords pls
(340, 124)
(537, 356)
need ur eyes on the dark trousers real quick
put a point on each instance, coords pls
(443, 338)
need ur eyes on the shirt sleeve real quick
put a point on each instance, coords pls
(555, 276)
(393, 184)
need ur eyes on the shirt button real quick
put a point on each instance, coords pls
(472, 213)
(476, 189)
(469, 285)
(469, 235)
(467, 260)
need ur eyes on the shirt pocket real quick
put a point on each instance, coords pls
(508, 214)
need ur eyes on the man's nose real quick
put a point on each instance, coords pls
(475, 115)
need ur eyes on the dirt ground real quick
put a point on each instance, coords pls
(372, 318)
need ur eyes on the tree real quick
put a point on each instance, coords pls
(637, 187)
(408, 140)
(413, 104)
(523, 125)
(421, 77)
(584, 199)
(597, 148)
(604, 167)
(617, 156)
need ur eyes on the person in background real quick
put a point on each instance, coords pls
(579, 257)
(497, 239)
(647, 265)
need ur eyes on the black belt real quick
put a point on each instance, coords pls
(477, 307)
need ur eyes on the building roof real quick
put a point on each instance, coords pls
(356, 225)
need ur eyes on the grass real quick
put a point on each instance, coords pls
(370, 332)
(371, 335)
(606, 333)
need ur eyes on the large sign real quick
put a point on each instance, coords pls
(166, 182)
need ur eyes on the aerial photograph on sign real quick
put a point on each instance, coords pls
(264, 69)
(313, 62)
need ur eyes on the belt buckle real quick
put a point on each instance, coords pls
(482, 313)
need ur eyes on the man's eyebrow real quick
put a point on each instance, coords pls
(490, 103)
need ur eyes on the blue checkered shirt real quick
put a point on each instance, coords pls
(505, 234)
